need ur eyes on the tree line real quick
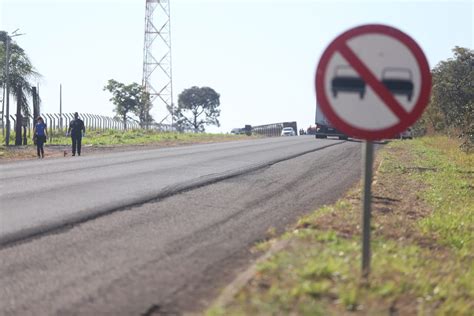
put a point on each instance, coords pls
(450, 111)
(21, 74)
(451, 108)
(197, 107)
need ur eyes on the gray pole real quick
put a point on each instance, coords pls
(87, 120)
(3, 108)
(61, 107)
(7, 88)
(367, 162)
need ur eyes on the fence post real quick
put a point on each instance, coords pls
(89, 121)
(67, 121)
(50, 129)
(119, 124)
(54, 123)
(94, 121)
(101, 124)
(71, 117)
(85, 119)
(106, 122)
(14, 121)
(59, 121)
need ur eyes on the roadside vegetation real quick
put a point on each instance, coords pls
(422, 244)
(451, 108)
(112, 139)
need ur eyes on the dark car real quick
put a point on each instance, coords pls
(347, 82)
(237, 131)
(323, 131)
(398, 81)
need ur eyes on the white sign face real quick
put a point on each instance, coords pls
(373, 82)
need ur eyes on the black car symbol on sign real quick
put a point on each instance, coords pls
(346, 82)
(392, 81)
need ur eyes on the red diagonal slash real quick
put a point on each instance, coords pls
(373, 82)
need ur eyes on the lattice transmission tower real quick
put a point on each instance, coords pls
(157, 73)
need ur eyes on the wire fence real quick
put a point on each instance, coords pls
(58, 122)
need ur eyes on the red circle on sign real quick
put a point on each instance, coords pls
(408, 119)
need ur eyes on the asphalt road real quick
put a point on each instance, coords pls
(177, 223)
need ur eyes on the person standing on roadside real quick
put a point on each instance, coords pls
(76, 130)
(39, 136)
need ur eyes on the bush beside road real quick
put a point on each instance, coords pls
(422, 245)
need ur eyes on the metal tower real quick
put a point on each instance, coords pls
(157, 78)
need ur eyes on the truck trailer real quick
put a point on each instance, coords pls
(324, 128)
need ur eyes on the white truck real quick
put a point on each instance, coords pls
(324, 128)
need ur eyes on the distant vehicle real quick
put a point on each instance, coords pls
(347, 82)
(288, 131)
(398, 81)
(311, 130)
(323, 128)
(237, 131)
(407, 134)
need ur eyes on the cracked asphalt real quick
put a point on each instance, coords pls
(174, 227)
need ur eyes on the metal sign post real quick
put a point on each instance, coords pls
(367, 162)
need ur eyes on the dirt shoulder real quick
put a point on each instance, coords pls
(422, 245)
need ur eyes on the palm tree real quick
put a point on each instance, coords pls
(21, 72)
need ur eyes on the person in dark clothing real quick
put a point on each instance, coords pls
(40, 135)
(76, 130)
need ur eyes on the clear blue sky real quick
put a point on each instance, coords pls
(260, 56)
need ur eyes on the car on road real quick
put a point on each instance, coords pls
(325, 130)
(288, 131)
(237, 131)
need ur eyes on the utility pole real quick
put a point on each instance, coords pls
(7, 89)
(19, 123)
(61, 107)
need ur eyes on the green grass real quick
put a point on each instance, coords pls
(451, 192)
(319, 272)
(130, 137)
(142, 137)
(322, 268)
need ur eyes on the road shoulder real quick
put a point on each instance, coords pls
(98, 142)
(421, 248)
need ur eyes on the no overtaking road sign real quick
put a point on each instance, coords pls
(372, 82)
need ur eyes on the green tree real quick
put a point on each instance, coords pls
(130, 99)
(21, 73)
(452, 100)
(143, 110)
(197, 107)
